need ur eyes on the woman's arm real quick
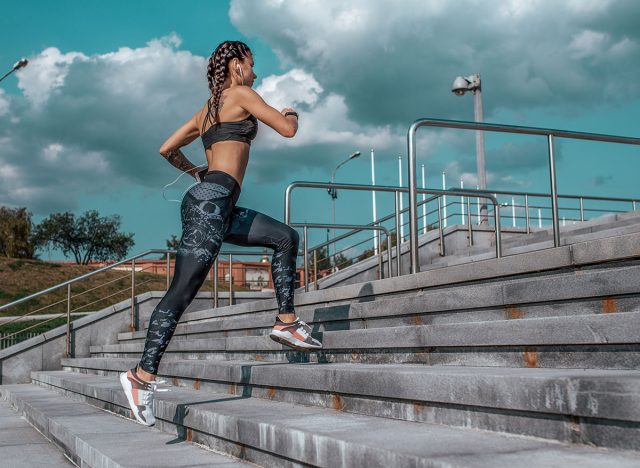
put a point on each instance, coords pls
(251, 101)
(170, 149)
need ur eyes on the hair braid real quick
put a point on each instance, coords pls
(217, 71)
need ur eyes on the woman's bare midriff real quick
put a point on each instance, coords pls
(231, 157)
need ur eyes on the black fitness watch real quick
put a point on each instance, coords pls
(291, 113)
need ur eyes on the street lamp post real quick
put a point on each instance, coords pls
(460, 86)
(334, 194)
(373, 199)
(18, 65)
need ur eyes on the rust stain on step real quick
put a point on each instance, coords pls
(337, 402)
(418, 407)
(196, 384)
(174, 381)
(417, 320)
(232, 389)
(609, 305)
(514, 313)
(271, 393)
(259, 357)
(189, 434)
(354, 356)
(530, 357)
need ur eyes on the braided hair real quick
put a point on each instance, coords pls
(217, 71)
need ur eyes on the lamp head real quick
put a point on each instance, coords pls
(354, 155)
(20, 64)
(460, 86)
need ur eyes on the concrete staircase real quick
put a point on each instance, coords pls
(514, 241)
(529, 360)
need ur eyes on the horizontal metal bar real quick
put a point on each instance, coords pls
(491, 127)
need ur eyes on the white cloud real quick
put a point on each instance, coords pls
(45, 73)
(95, 123)
(4, 104)
(323, 117)
(531, 54)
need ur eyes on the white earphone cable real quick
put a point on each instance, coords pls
(176, 180)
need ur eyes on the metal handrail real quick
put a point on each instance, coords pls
(397, 191)
(526, 195)
(80, 278)
(130, 260)
(549, 133)
(305, 227)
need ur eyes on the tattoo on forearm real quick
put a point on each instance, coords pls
(178, 160)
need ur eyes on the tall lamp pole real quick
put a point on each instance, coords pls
(373, 199)
(18, 65)
(334, 194)
(460, 86)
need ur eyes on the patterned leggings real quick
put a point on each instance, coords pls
(210, 217)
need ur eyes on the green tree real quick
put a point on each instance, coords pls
(323, 259)
(88, 237)
(383, 246)
(340, 261)
(15, 233)
(173, 244)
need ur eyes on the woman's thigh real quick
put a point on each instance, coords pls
(251, 228)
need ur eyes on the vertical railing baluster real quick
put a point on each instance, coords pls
(554, 193)
(132, 325)
(68, 338)
(230, 279)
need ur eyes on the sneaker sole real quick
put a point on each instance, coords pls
(126, 386)
(287, 340)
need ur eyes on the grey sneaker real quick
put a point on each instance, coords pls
(140, 396)
(296, 335)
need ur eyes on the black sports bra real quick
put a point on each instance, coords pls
(240, 130)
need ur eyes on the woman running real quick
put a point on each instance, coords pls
(226, 123)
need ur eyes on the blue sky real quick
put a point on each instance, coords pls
(108, 82)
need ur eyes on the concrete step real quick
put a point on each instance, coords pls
(94, 438)
(537, 241)
(607, 289)
(595, 341)
(566, 258)
(515, 240)
(23, 446)
(283, 434)
(602, 405)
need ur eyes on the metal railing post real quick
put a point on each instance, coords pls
(389, 270)
(633, 204)
(526, 209)
(554, 193)
(215, 283)
(581, 210)
(306, 266)
(230, 279)
(496, 213)
(132, 326)
(380, 268)
(469, 227)
(397, 209)
(168, 270)
(68, 339)
(413, 204)
(315, 269)
(440, 232)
